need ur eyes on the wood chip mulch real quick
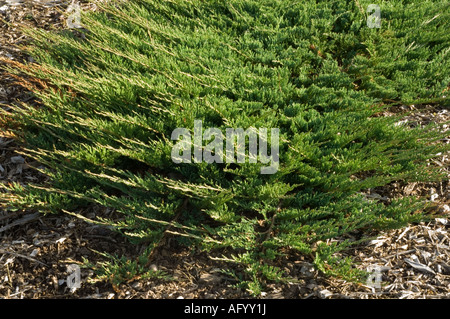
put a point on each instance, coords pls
(408, 263)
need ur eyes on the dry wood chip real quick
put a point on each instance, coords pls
(419, 266)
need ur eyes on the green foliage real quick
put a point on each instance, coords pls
(112, 97)
(117, 270)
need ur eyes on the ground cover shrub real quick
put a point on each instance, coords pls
(113, 93)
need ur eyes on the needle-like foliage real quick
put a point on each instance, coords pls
(113, 92)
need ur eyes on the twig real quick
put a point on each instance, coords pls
(3, 251)
(9, 216)
(26, 219)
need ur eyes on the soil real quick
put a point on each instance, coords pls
(35, 249)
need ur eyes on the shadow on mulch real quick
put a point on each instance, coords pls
(35, 253)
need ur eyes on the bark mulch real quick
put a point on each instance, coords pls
(35, 250)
